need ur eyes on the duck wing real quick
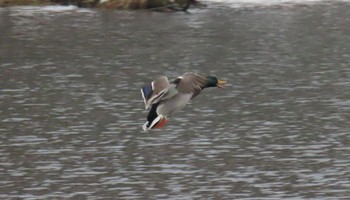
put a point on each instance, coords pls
(190, 83)
(158, 90)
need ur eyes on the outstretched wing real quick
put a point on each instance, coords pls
(190, 83)
(154, 90)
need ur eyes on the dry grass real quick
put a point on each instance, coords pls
(23, 2)
(125, 4)
(112, 4)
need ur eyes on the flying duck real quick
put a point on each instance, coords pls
(164, 98)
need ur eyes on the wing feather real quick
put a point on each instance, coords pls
(153, 92)
(191, 83)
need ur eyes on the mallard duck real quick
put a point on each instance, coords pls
(164, 98)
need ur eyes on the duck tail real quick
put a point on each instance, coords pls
(154, 120)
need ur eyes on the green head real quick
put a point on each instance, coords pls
(212, 81)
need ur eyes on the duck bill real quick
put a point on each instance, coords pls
(221, 84)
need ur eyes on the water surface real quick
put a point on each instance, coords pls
(71, 111)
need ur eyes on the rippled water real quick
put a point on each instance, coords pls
(71, 111)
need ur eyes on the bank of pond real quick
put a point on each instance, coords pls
(156, 5)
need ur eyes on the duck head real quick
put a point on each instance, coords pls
(212, 81)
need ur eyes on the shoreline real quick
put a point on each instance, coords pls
(154, 5)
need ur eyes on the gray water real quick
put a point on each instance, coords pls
(71, 110)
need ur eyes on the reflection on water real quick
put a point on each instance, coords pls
(71, 112)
